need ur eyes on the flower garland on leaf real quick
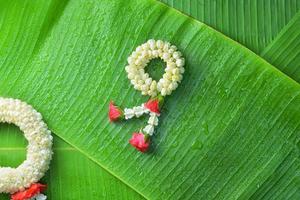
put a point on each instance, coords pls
(142, 81)
(21, 182)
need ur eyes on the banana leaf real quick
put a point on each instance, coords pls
(284, 50)
(280, 49)
(269, 28)
(72, 175)
(230, 131)
(252, 23)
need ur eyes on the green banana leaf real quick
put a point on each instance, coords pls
(230, 131)
(72, 174)
(269, 28)
(284, 51)
(252, 23)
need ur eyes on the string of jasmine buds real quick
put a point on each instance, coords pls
(140, 140)
(136, 111)
(152, 123)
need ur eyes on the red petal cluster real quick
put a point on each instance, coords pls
(153, 105)
(33, 190)
(114, 112)
(138, 141)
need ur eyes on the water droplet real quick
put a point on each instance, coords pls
(174, 144)
(197, 145)
(204, 128)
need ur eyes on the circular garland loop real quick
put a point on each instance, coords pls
(39, 149)
(142, 55)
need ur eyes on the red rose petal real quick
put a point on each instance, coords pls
(33, 190)
(114, 112)
(153, 105)
(138, 141)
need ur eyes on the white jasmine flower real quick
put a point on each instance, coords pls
(138, 111)
(129, 113)
(153, 120)
(149, 129)
(39, 197)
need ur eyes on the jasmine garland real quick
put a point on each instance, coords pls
(142, 55)
(39, 149)
(142, 81)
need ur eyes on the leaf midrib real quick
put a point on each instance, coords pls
(103, 167)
